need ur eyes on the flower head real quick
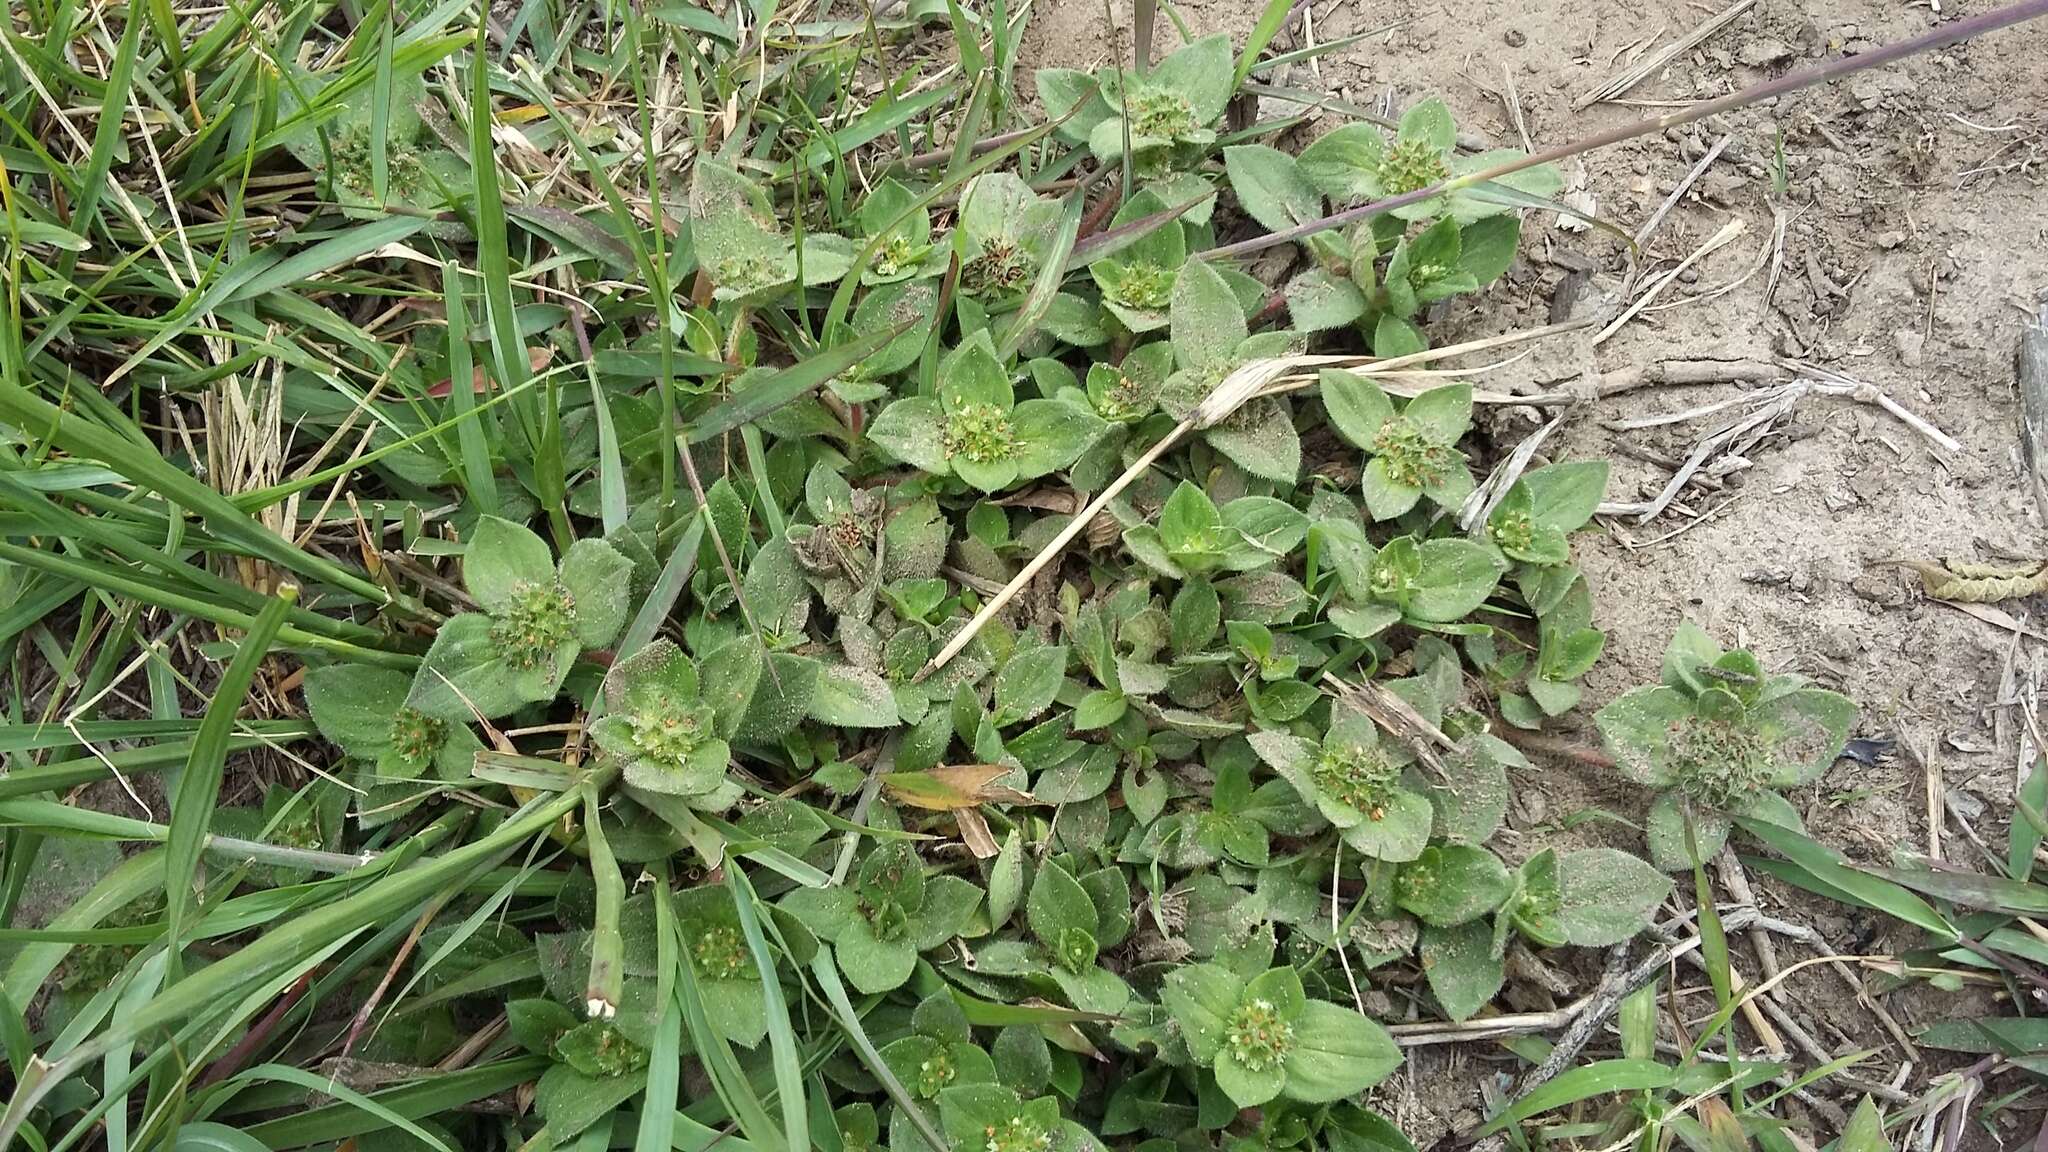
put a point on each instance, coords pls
(1258, 1035)
(534, 623)
(1411, 164)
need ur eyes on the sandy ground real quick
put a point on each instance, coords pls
(1917, 245)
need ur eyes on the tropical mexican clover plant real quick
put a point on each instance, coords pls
(1088, 870)
(1265, 1038)
(1469, 244)
(536, 617)
(332, 135)
(977, 429)
(1164, 118)
(1422, 829)
(1720, 737)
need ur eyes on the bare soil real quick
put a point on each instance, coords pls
(1917, 247)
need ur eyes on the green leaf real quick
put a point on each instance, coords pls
(1808, 728)
(1865, 1132)
(871, 964)
(1051, 434)
(1464, 974)
(1394, 336)
(1064, 90)
(353, 705)
(1453, 884)
(501, 559)
(1202, 998)
(1027, 682)
(1022, 1059)
(1271, 528)
(1397, 833)
(462, 670)
(850, 697)
(1195, 614)
(1444, 414)
(1006, 880)
(1636, 727)
(1246, 1086)
(1357, 406)
(1201, 72)
(1189, 521)
(1671, 817)
(1430, 121)
(571, 1102)
(2027, 832)
(1606, 896)
(1563, 496)
(598, 580)
(1270, 187)
(1345, 162)
(970, 375)
(1586, 1082)
(729, 680)
(1337, 1054)
(1208, 323)
(1319, 300)
(1260, 438)
(1057, 905)
(1487, 247)
(912, 430)
(1453, 578)
(1098, 709)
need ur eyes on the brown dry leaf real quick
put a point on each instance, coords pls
(975, 834)
(1723, 1129)
(948, 787)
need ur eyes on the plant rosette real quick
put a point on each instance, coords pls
(890, 212)
(1164, 119)
(1211, 336)
(977, 430)
(1264, 1038)
(1194, 537)
(1719, 738)
(536, 617)
(664, 733)
(1430, 585)
(1003, 235)
(1355, 780)
(1411, 453)
(940, 1052)
(1356, 164)
(363, 710)
(1137, 280)
(891, 913)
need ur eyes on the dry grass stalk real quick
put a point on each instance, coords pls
(1633, 75)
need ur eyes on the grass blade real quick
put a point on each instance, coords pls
(1601, 1078)
(827, 975)
(199, 785)
(764, 397)
(789, 1073)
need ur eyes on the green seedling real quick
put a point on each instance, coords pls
(1720, 738)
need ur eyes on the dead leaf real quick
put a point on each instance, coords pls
(975, 834)
(948, 787)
